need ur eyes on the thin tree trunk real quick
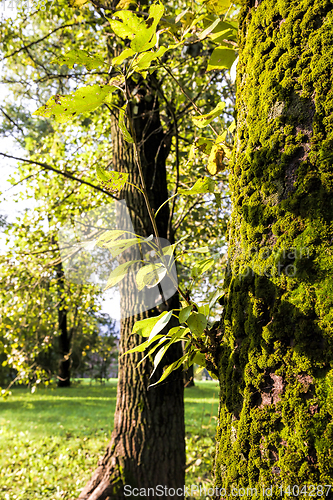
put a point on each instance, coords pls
(64, 375)
(64, 345)
(275, 420)
(147, 446)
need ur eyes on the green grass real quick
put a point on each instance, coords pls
(50, 441)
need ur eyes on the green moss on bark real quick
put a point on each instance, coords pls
(276, 362)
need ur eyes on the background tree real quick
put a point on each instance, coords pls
(275, 422)
(201, 97)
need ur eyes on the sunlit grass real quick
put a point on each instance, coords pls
(50, 441)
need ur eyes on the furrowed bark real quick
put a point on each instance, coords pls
(275, 361)
(147, 445)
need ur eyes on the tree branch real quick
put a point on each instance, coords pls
(39, 40)
(45, 166)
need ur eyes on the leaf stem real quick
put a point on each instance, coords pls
(186, 94)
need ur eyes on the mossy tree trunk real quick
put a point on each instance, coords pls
(276, 359)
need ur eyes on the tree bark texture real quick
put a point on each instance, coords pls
(275, 361)
(147, 446)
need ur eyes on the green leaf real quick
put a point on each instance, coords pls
(145, 326)
(85, 99)
(182, 14)
(145, 59)
(210, 28)
(171, 248)
(204, 309)
(232, 127)
(202, 266)
(184, 314)
(214, 298)
(197, 323)
(119, 246)
(81, 57)
(160, 324)
(171, 368)
(222, 57)
(159, 356)
(203, 120)
(150, 275)
(122, 125)
(203, 185)
(141, 32)
(154, 348)
(220, 36)
(213, 375)
(200, 359)
(174, 338)
(119, 273)
(126, 4)
(177, 332)
(198, 250)
(131, 20)
(144, 40)
(142, 347)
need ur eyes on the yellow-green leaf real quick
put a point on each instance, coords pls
(145, 326)
(119, 273)
(204, 145)
(215, 160)
(145, 59)
(124, 55)
(218, 6)
(208, 30)
(122, 125)
(160, 324)
(204, 185)
(150, 275)
(202, 266)
(111, 181)
(126, 4)
(109, 236)
(78, 3)
(203, 120)
(171, 368)
(81, 57)
(146, 37)
(65, 108)
(128, 26)
(221, 58)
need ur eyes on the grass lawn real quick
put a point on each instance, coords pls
(50, 441)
